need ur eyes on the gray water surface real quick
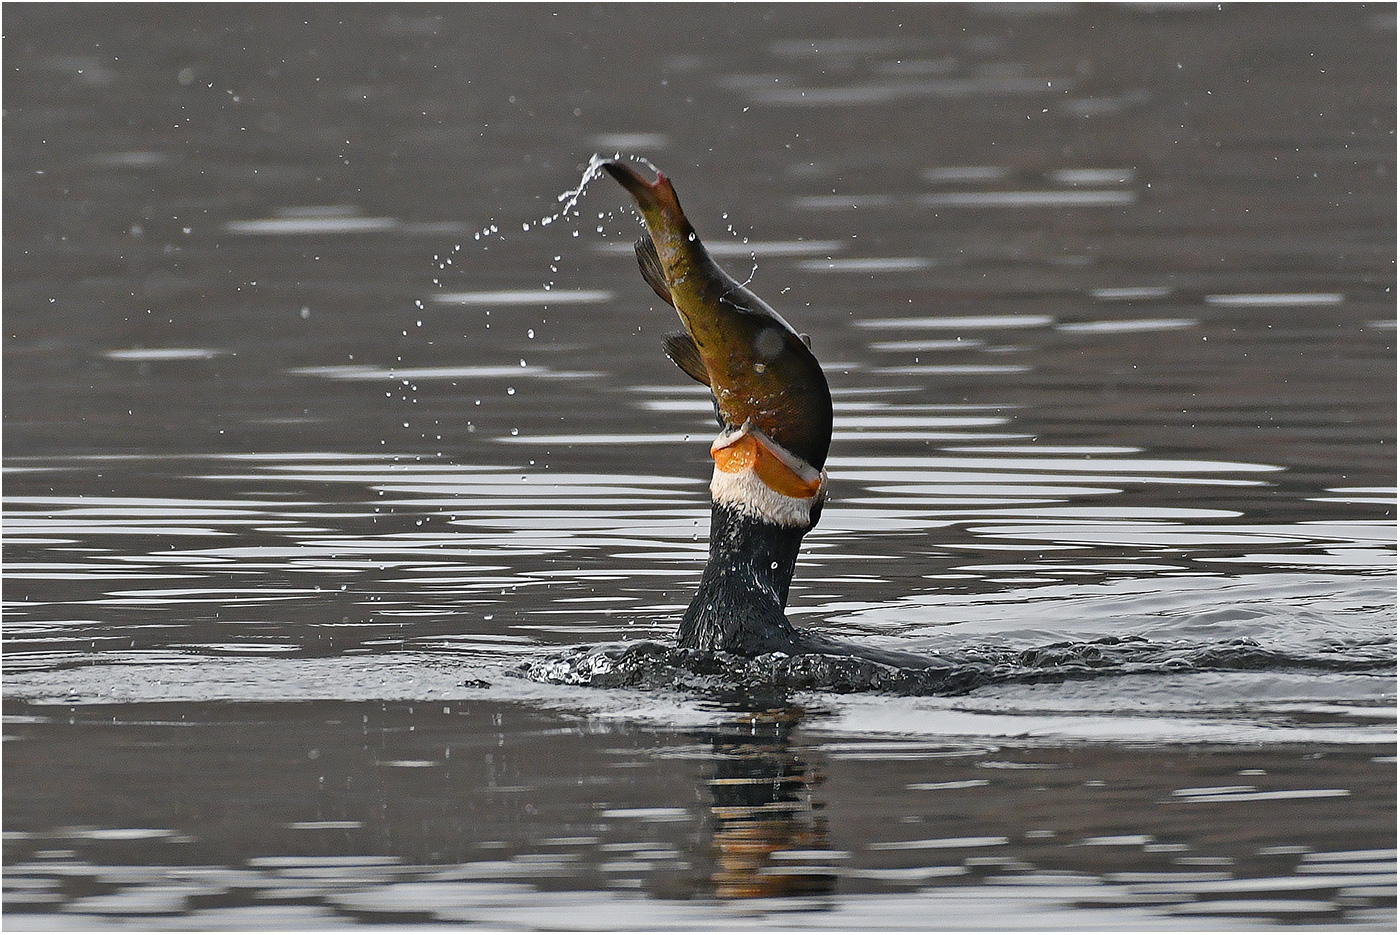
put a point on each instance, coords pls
(317, 438)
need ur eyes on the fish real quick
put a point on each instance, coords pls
(767, 384)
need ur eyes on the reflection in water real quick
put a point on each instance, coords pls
(770, 835)
(500, 815)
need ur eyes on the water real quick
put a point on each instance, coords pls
(294, 505)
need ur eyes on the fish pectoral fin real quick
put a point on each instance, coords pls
(652, 270)
(680, 347)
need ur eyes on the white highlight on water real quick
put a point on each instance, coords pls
(1029, 199)
(1130, 293)
(1287, 298)
(162, 353)
(1128, 326)
(525, 297)
(959, 321)
(314, 219)
(464, 372)
(893, 264)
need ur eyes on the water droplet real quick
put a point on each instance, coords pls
(510, 391)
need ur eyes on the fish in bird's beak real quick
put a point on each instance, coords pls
(769, 389)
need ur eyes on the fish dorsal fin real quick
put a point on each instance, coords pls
(652, 270)
(680, 347)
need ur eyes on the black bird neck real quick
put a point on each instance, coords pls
(739, 605)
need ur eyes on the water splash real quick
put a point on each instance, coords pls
(651, 665)
(568, 200)
(568, 210)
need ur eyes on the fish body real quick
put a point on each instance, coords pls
(761, 371)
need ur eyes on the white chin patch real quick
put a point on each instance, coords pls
(744, 491)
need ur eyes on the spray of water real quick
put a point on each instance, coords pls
(568, 202)
(495, 231)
